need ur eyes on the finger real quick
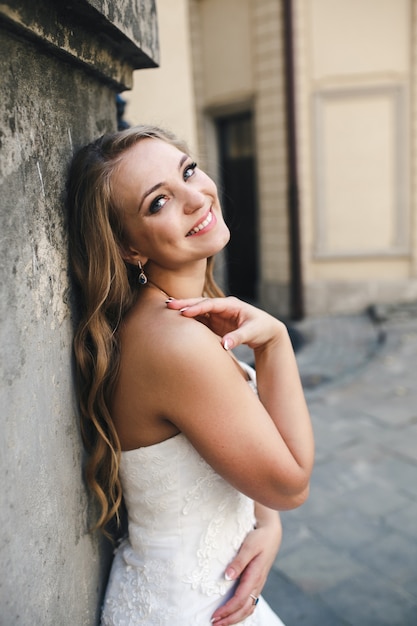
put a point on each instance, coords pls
(225, 307)
(244, 334)
(251, 582)
(200, 310)
(225, 617)
(185, 303)
(246, 553)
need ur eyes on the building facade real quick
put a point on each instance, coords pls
(356, 114)
(303, 111)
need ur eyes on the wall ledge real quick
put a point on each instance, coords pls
(110, 39)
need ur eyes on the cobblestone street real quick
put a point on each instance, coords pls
(349, 555)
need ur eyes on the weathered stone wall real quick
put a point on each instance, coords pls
(53, 571)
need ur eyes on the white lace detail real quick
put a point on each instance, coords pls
(185, 526)
(210, 553)
(136, 604)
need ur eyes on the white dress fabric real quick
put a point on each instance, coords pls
(186, 524)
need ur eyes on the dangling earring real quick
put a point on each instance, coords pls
(142, 276)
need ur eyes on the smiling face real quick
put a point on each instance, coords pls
(170, 209)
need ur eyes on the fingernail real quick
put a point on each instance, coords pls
(184, 309)
(214, 619)
(230, 574)
(227, 344)
(169, 300)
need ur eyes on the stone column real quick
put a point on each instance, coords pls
(61, 65)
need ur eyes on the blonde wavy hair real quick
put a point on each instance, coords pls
(107, 288)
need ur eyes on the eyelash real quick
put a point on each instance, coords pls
(155, 207)
(192, 166)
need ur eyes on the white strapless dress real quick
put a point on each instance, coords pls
(186, 523)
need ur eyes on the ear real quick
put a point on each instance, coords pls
(131, 255)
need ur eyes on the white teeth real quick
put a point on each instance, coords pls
(199, 227)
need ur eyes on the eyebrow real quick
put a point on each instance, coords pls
(155, 187)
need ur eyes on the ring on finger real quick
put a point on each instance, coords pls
(255, 600)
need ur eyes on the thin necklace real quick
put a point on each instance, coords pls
(152, 284)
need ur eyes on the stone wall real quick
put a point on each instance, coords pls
(60, 68)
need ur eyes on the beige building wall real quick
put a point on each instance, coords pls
(165, 95)
(227, 56)
(353, 85)
(220, 37)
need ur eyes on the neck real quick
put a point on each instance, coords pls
(178, 285)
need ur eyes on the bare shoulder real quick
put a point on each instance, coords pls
(186, 360)
(156, 331)
(155, 339)
(161, 359)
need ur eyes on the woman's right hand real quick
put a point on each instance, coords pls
(235, 321)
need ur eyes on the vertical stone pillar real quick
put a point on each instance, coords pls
(61, 65)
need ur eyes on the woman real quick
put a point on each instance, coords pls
(169, 417)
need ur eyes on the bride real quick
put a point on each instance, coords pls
(202, 451)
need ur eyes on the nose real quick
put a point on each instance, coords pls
(193, 199)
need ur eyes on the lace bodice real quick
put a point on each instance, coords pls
(186, 523)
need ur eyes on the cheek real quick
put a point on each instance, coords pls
(158, 238)
(212, 187)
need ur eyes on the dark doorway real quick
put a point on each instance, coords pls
(237, 165)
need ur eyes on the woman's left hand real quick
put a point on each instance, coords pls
(251, 567)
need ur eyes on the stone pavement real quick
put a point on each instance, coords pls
(349, 554)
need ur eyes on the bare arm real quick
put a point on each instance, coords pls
(275, 437)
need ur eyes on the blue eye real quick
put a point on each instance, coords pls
(189, 170)
(157, 204)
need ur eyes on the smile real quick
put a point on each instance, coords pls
(201, 226)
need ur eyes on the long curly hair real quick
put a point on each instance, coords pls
(107, 288)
